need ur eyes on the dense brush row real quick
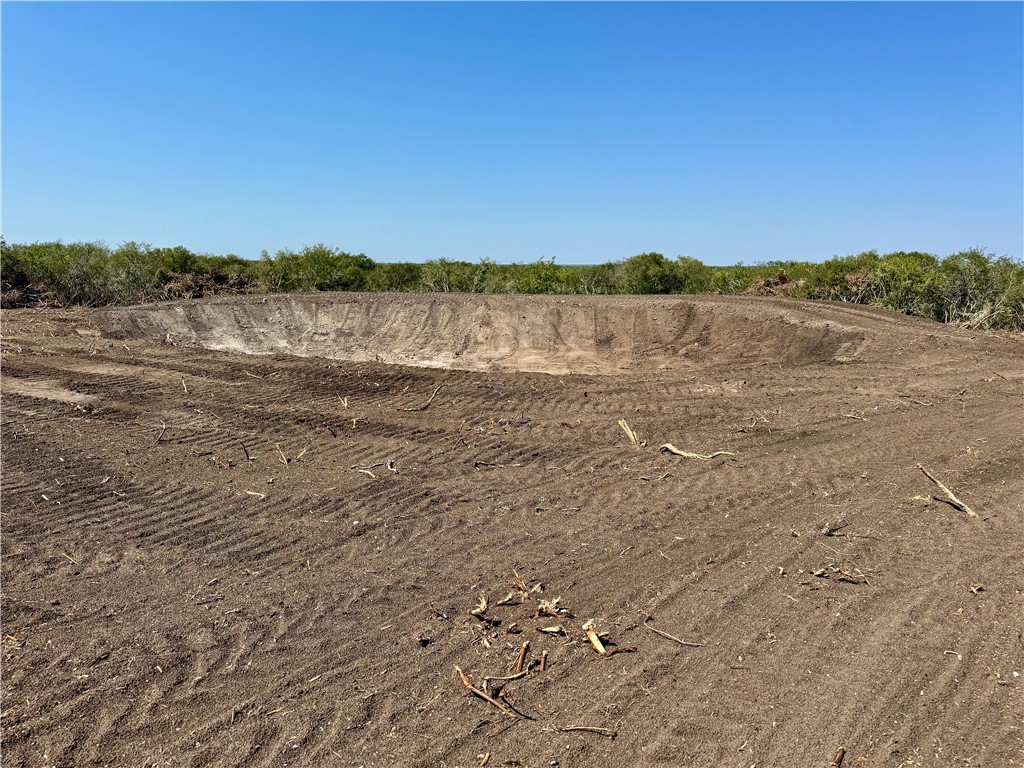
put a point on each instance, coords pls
(970, 288)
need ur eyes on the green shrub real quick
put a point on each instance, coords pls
(651, 273)
(846, 278)
(543, 276)
(907, 282)
(976, 290)
(314, 268)
(394, 277)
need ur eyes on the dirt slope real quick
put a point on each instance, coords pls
(518, 333)
(208, 561)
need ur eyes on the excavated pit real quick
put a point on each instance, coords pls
(557, 335)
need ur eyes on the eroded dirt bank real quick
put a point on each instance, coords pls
(213, 558)
(522, 333)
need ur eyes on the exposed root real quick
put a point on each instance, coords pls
(673, 638)
(669, 448)
(426, 404)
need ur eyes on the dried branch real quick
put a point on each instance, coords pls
(673, 638)
(952, 500)
(668, 447)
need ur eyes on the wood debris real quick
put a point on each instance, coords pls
(556, 629)
(633, 439)
(856, 576)
(667, 636)
(550, 608)
(591, 634)
(522, 586)
(158, 437)
(481, 607)
(522, 657)
(950, 499)
(512, 598)
(620, 649)
(426, 404)
(505, 709)
(669, 448)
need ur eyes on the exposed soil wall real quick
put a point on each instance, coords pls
(484, 332)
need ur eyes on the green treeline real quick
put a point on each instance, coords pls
(969, 288)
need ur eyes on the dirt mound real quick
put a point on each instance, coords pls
(484, 332)
(212, 558)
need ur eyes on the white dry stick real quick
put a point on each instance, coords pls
(668, 447)
(951, 499)
(633, 440)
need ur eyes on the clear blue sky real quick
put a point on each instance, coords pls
(586, 132)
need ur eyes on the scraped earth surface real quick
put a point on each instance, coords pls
(250, 532)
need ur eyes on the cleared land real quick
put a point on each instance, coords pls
(215, 557)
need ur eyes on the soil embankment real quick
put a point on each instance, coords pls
(517, 333)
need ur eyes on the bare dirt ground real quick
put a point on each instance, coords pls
(212, 557)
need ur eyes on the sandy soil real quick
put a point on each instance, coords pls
(215, 553)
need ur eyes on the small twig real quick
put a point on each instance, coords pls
(837, 761)
(368, 466)
(690, 455)
(620, 649)
(183, 385)
(522, 657)
(505, 709)
(543, 660)
(629, 432)
(247, 456)
(673, 638)
(157, 441)
(257, 493)
(952, 500)
(283, 459)
(588, 728)
(426, 404)
(507, 678)
(69, 557)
